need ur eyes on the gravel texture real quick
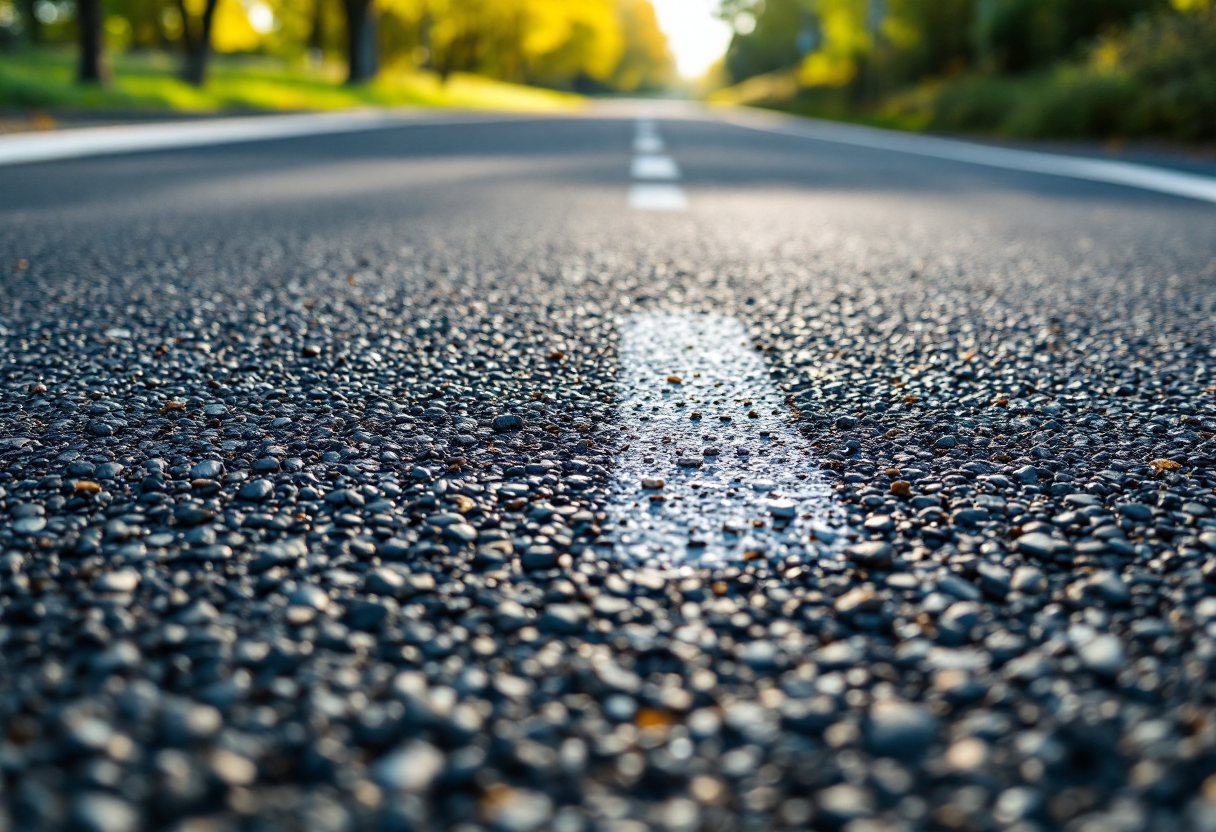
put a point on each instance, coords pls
(305, 510)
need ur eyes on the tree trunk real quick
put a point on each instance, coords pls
(31, 22)
(316, 37)
(161, 36)
(197, 41)
(424, 40)
(361, 47)
(89, 25)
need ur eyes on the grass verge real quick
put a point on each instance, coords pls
(44, 80)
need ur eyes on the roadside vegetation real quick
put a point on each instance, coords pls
(324, 54)
(42, 79)
(1017, 68)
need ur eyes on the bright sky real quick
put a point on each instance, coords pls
(697, 38)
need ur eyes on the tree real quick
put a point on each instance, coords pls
(646, 63)
(30, 21)
(772, 41)
(316, 29)
(196, 39)
(362, 55)
(574, 44)
(90, 30)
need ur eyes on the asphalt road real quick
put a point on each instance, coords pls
(382, 481)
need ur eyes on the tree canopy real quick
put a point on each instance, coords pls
(1027, 68)
(831, 40)
(586, 45)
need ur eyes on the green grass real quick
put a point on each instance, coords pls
(43, 79)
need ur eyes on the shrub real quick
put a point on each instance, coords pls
(973, 103)
(1073, 105)
(1173, 59)
(1156, 79)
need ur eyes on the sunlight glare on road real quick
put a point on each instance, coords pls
(696, 35)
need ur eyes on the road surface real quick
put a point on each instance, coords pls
(604, 473)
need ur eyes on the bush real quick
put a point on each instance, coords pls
(1173, 59)
(1157, 79)
(978, 103)
(1073, 105)
(1154, 79)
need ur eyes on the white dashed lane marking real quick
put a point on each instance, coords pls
(711, 468)
(651, 197)
(654, 167)
(650, 168)
(647, 144)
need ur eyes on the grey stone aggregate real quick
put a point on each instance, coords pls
(305, 451)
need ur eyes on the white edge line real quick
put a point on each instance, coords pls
(98, 141)
(1130, 174)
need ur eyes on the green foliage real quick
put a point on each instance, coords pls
(1073, 105)
(1068, 104)
(978, 103)
(646, 64)
(773, 42)
(1022, 68)
(1020, 35)
(1173, 59)
(43, 78)
(596, 44)
(593, 45)
(928, 37)
(1157, 79)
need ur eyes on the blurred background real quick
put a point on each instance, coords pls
(1107, 69)
(1023, 68)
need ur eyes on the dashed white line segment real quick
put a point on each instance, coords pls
(647, 144)
(711, 467)
(655, 197)
(654, 167)
(650, 168)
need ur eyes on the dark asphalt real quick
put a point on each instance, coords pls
(272, 559)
